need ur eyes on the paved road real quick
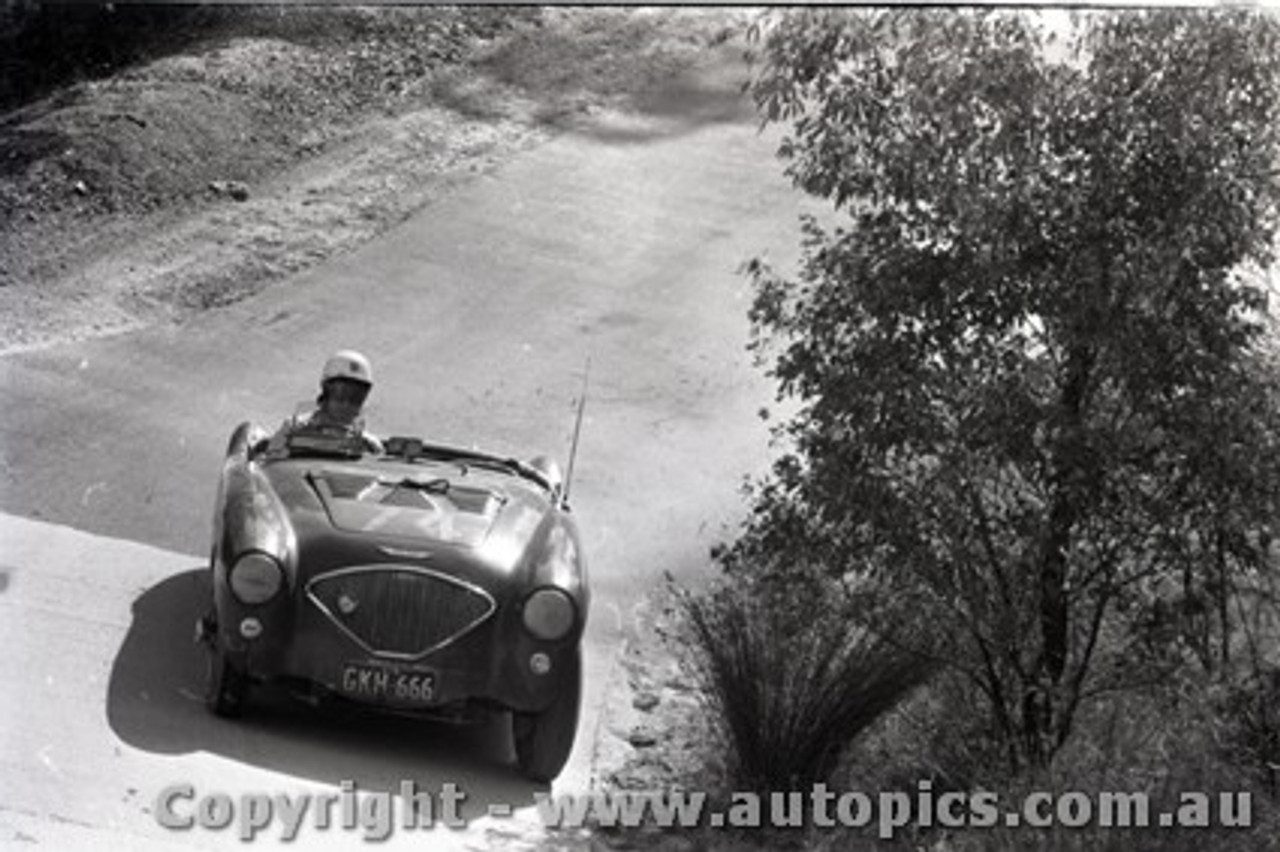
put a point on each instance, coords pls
(617, 243)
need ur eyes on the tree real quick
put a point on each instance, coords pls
(1036, 416)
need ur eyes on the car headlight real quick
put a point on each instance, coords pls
(548, 613)
(256, 578)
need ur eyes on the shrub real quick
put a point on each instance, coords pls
(1160, 742)
(790, 680)
(1250, 711)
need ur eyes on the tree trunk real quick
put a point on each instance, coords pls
(1223, 598)
(1070, 473)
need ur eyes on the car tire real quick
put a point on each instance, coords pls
(227, 687)
(544, 740)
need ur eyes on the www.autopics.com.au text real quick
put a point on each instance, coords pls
(374, 814)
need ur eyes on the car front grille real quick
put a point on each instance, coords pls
(399, 611)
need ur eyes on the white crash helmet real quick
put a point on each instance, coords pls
(347, 364)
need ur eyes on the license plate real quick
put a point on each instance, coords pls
(388, 684)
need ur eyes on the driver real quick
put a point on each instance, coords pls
(345, 382)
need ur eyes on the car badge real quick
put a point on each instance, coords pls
(405, 554)
(347, 604)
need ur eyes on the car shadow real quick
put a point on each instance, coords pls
(155, 703)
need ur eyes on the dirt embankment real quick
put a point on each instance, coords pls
(238, 145)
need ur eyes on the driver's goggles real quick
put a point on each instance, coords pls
(347, 391)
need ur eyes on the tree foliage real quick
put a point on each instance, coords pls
(1035, 412)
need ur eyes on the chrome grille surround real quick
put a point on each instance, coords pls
(403, 612)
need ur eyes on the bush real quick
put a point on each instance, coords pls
(1161, 742)
(1250, 713)
(790, 680)
(943, 734)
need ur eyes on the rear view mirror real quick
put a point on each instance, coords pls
(409, 448)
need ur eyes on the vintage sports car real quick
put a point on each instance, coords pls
(426, 579)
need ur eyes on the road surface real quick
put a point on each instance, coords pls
(619, 243)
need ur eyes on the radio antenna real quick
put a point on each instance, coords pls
(577, 431)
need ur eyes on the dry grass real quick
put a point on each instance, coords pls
(789, 687)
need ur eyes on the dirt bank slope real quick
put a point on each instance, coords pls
(276, 137)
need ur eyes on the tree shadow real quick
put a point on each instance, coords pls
(155, 703)
(708, 94)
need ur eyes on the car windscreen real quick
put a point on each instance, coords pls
(425, 507)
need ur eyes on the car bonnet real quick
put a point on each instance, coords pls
(444, 503)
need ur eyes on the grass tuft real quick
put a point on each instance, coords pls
(790, 686)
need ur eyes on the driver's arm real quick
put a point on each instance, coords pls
(276, 443)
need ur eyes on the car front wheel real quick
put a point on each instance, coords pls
(543, 740)
(227, 686)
